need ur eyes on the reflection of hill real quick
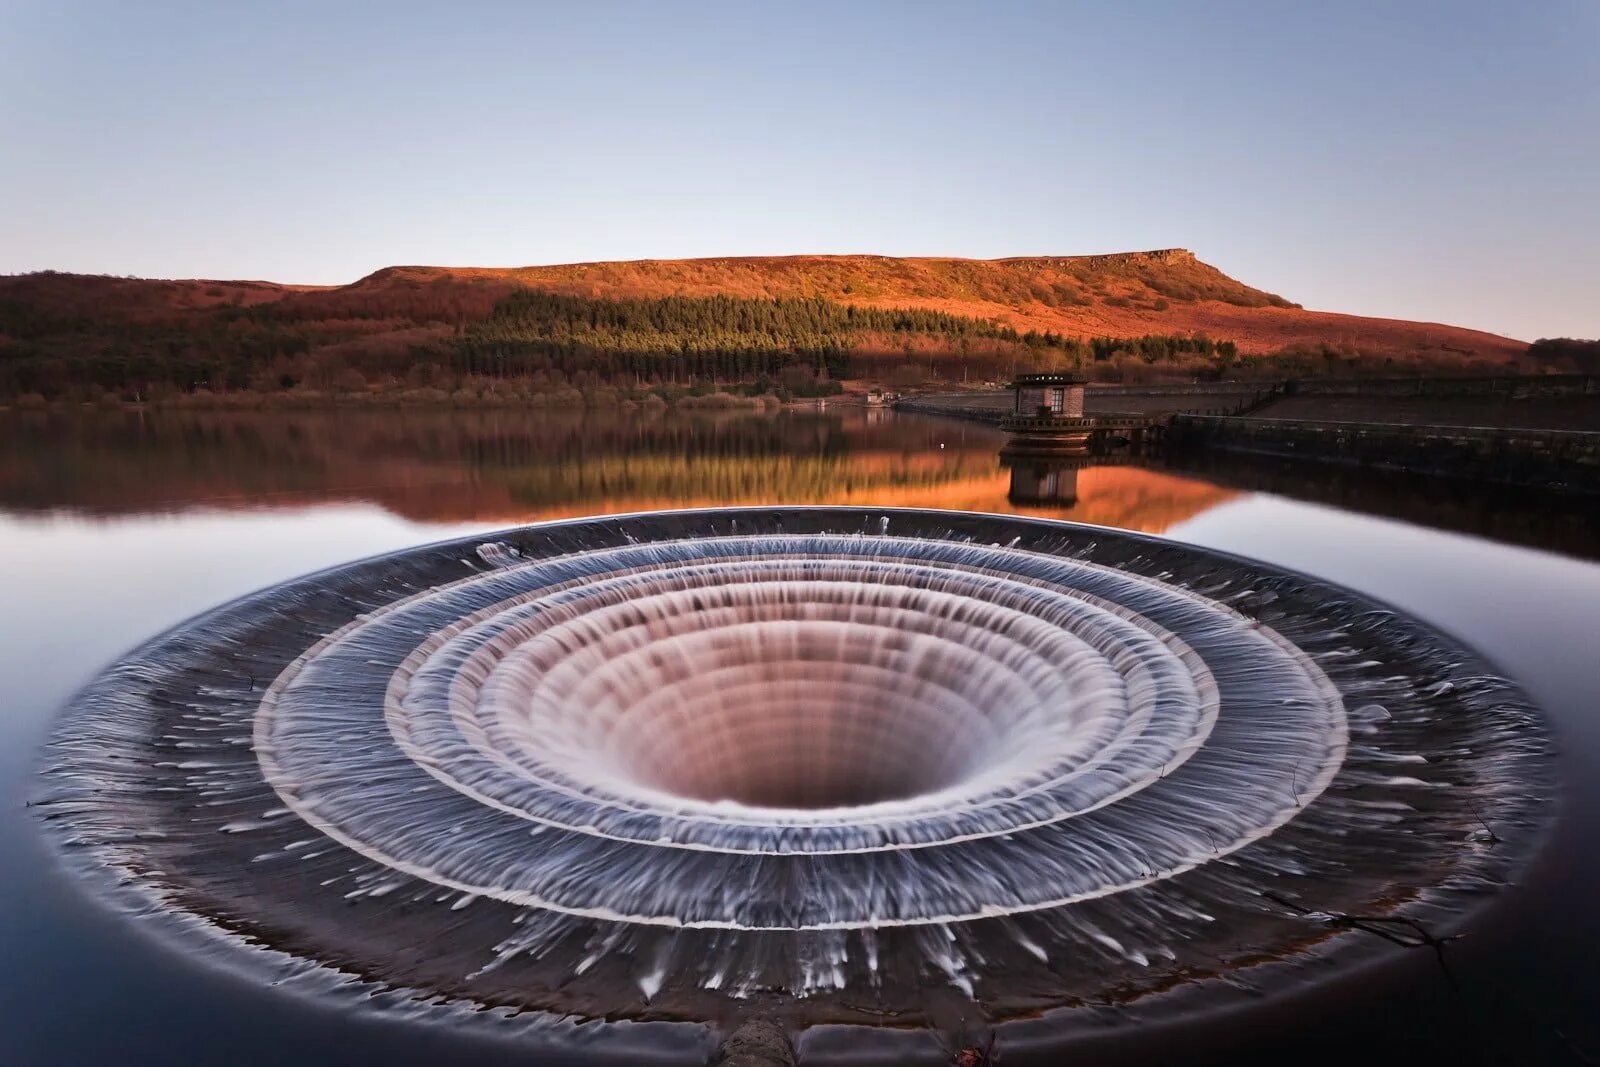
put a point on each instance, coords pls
(509, 466)
(1133, 498)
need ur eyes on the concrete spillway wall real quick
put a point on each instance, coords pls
(1548, 458)
(1511, 387)
(975, 407)
(991, 407)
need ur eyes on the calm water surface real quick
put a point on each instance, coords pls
(114, 526)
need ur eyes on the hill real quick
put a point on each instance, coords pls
(788, 320)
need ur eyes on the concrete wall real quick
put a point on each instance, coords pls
(978, 407)
(1518, 386)
(1218, 389)
(990, 406)
(1548, 458)
(1498, 411)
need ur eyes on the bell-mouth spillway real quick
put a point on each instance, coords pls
(658, 766)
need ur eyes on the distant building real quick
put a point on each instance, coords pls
(1049, 394)
(1047, 416)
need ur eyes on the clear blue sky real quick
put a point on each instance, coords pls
(1422, 160)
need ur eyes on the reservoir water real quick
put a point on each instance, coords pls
(116, 526)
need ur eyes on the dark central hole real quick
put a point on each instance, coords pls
(800, 753)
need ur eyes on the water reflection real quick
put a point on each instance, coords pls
(1038, 482)
(499, 466)
(211, 506)
(493, 467)
(1519, 515)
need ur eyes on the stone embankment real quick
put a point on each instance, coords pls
(1511, 386)
(1541, 431)
(1222, 398)
(975, 407)
(1556, 459)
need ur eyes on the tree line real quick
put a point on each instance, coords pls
(692, 338)
(1566, 354)
(464, 337)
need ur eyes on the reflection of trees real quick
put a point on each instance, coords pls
(465, 465)
(510, 466)
(502, 465)
(773, 478)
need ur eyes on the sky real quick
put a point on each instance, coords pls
(1423, 160)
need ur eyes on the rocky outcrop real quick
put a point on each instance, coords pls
(758, 1042)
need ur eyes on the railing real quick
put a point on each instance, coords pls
(1068, 425)
(1047, 423)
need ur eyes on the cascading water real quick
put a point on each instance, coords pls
(856, 767)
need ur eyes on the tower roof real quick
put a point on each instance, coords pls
(1034, 381)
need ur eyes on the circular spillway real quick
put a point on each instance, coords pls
(655, 766)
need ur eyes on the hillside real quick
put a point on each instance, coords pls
(632, 324)
(1121, 295)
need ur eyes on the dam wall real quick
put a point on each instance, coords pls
(1215, 398)
(976, 407)
(1559, 459)
(1509, 386)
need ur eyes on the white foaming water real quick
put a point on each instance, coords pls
(814, 762)
(666, 706)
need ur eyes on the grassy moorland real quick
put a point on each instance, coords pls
(762, 326)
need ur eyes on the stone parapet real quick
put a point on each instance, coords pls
(1558, 459)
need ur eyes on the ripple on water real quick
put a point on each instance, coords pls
(655, 765)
